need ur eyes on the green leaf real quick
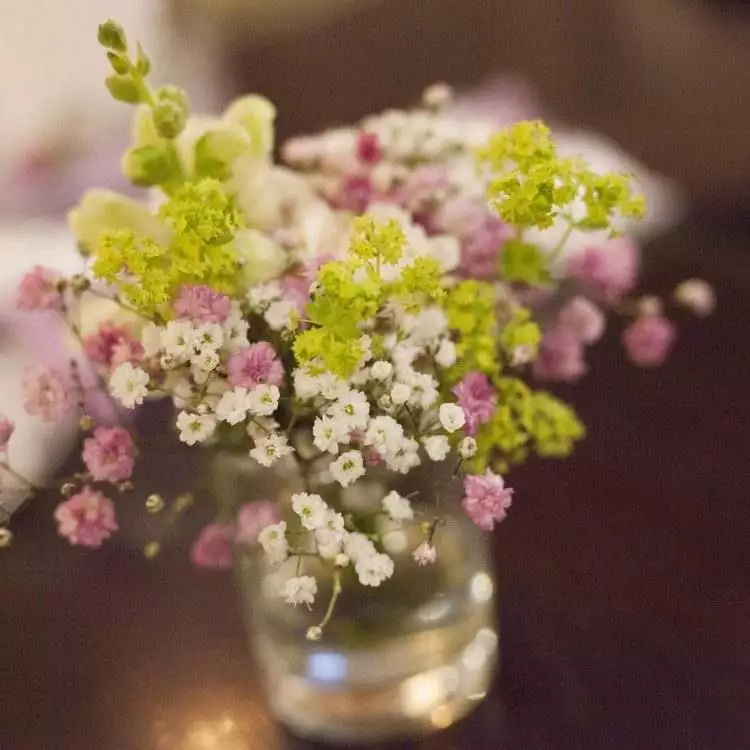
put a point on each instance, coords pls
(124, 89)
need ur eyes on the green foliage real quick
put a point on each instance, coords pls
(523, 262)
(520, 331)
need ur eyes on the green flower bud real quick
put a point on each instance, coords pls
(142, 61)
(149, 165)
(171, 111)
(111, 36)
(119, 63)
(124, 89)
(256, 115)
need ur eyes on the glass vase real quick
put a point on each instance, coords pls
(411, 656)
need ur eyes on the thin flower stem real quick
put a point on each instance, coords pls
(117, 300)
(555, 254)
(6, 467)
(334, 598)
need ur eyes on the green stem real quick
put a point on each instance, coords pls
(5, 466)
(334, 598)
(555, 254)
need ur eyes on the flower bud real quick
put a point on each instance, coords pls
(154, 503)
(111, 36)
(171, 111)
(6, 537)
(148, 165)
(119, 63)
(151, 550)
(124, 89)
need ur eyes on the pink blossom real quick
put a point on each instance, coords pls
(112, 345)
(648, 340)
(560, 356)
(368, 148)
(355, 194)
(253, 518)
(477, 398)
(109, 454)
(296, 290)
(86, 519)
(424, 188)
(254, 365)
(461, 216)
(213, 547)
(201, 304)
(7, 427)
(38, 290)
(46, 393)
(583, 318)
(480, 250)
(609, 270)
(487, 499)
(424, 554)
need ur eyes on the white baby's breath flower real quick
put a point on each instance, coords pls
(400, 393)
(274, 542)
(358, 547)
(330, 536)
(328, 433)
(467, 448)
(403, 457)
(208, 336)
(426, 326)
(178, 339)
(423, 386)
(452, 417)
(300, 590)
(374, 569)
(277, 314)
(233, 406)
(311, 509)
(235, 329)
(306, 386)
(342, 560)
(424, 554)
(260, 296)
(351, 410)
(270, 449)
(263, 400)
(129, 385)
(398, 507)
(383, 431)
(195, 428)
(331, 387)
(403, 356)
(437, 447)
(347, 468)
(206, 360)
(446, 353)
(381, 370)
(151, 339)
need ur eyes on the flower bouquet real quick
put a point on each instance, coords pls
(382, 304)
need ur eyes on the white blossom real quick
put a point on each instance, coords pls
(270, 449)
(178, 339)
(330, 536)
(426, 326)
(260, 296)
(328, 433)
(382, 431)
(347, 468)
(206, 360)
(263, 400)
(424, 554)
(311, 509)
(381, 370)
(372, 570)
(437, 447)
(400, 393)
(233, 406)
(208, 336)
(195, 428)
(452, 417)
(424, 392)
(300, 590)
(696, 295)
(467, 448)
(342, 560)
(446, 250)
(331, 387)
(235, 331)
(358, 547)
(274, 542)
(446, 353)
(277, 314)
(398, 507)
(306, 386)
(151, 339)
(403, 457)
(129, 385)
(352, 410)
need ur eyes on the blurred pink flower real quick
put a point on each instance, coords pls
(368, 148)
(477, 398)
(354, 194)
(38, 290)
(648, 340)
(112, 345)
(213, 547)
(254, 365)
(86, 519)
(560, 356)
(608, 270)
(7, 427)
(583, 318)
(487, 499)
(46, 393)
(109, 454)
(253, 518)
(201, 304)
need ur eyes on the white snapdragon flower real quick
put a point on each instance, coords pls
(274, 542)
(233, 406)
(330, 537)
(270, 449)
(358, 547)
(398, 507)
(129, 385)
(300, 590)
(151, 339)
(208, 336)
(260, 296)
(347, 468)
(178, 339)
(400, 393)
(374, 569)
(437, 447)
(467, 448)
(452, 417)
(446, 353)
(383, 431)
(381, 370)
(424, 392)
(277, 314)
(352, 411)
(403, 457)
(328, 432)
(195, 428)
(311, 509)
(263, 400)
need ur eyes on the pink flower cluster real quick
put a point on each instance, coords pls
(86, 519)
(255, 365)
(648, 340)
(477, 398)
(487, 499)
(109, 454)
(112, 345)
(46, 393)
(606, 271)
(38, 290)
(201, 304)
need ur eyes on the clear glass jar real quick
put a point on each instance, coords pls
(410, 656)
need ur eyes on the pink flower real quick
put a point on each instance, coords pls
(583, 318)
(253, 518)
(202, 304)
(213, 547)
(487, 499)
(38, 290)
(45, 393)
(109, 454)
(424, 554)
(254, 365)
(477, 398)
(296, 290)
(424, 188)
(6, 430)
(480, 250)
(355, 194)
(648, 340)
(609, 270)
(461, 216)
(368, 148)
(86, 519)
(112, 345)
(560, 356)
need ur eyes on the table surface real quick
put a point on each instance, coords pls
(624, 573)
